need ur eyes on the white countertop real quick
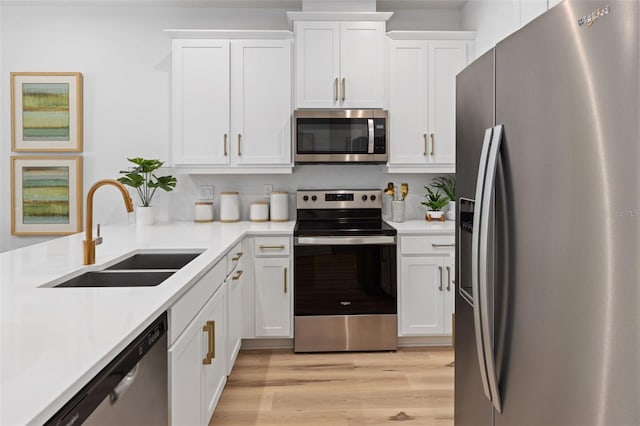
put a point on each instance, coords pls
(421, 226)
(54, 340)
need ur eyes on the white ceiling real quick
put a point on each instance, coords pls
(382, 5)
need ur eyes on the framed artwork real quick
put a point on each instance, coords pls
(46, 111)
(46, 195)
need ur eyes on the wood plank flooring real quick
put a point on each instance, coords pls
(280, 388)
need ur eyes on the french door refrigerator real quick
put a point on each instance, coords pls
(548, 228)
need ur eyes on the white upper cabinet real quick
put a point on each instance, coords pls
(340, 64)
(200, 101)
(232, 102)
(422, 99)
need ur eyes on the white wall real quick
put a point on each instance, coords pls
(126, 62)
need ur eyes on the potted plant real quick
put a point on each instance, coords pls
(146, 183)
(447, 184)
(436, 201)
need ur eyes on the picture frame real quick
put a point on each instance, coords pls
(46, 111)
(46, 195)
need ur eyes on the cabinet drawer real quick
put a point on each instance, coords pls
(427, 244)
(188, 306)
(272, 246)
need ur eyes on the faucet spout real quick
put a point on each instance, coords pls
(89, 244)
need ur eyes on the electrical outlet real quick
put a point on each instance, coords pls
(268, 189)
(206, 192)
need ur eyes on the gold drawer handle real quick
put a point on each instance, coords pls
(275, 247)
(238, 275)
(238, 256)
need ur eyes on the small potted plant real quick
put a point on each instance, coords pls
(447, 184)
(142, 178)
(436, 201)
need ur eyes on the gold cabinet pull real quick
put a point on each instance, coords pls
(424, 153)
(212, 339)
(238, 256)
(440, 286)
(238, 275)
(448, 278)
(275, 247)
(344, 88)
(433, 144)
(335, 89)
(225, 145)
(207, 328)
(285, 280)
(239, 138)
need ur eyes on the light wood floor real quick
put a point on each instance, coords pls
(280, 388)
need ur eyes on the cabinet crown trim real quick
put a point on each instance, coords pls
(432, 35)
(338, 16)
(230, 34)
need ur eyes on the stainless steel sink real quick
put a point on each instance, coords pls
(118, 279)
(154, 261)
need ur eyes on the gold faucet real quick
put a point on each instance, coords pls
(89, 244)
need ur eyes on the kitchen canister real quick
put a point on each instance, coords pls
(259, 211)
(229, 207)
(203, 212)
(279, 206)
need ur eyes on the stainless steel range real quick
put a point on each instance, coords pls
(345, 273)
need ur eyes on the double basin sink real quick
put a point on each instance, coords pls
(137, 270)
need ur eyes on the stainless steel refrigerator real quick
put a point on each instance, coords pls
(548, 228)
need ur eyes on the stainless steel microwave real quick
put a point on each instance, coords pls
(341, 136)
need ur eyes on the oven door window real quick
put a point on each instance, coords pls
(345, 279)
(332, 135)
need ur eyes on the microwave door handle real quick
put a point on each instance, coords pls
(371, 136)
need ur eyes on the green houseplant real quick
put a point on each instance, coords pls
(141, 176)
(447, 184)
(435, 202)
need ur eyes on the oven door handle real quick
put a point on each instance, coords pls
(340, 241)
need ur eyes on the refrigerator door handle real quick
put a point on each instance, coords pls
(485, 261)
(475, 248)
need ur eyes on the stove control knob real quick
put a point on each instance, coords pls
(372, 198)
(364, 198)
(305, 198)
(314, 198)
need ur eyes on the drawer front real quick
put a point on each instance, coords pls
(188, 306)
(427, 244)
(272, 246)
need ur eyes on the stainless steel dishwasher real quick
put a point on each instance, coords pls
(131, 390)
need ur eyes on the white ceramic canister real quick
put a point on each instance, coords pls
(279, 206)
(259, 211)
(203, 212)
(229, 207)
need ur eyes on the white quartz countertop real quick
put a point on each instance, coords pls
(54, 340)
(421, 226)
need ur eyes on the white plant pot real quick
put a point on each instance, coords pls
(451, 210)
(435, 215)
(145, 215)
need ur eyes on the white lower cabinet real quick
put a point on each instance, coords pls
(197, 363)
(426, 285)
(235, 310)
(273, 287)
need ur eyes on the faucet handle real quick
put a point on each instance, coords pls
(98, 239)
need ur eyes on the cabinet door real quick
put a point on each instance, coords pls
(185, 378)
(449, 293)
(200, 102)
(261, 102)
(421, 287)
(362, 66)
(214, 375)
(408, 102)
(446, 59)
(317, 64)
(273, 297)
